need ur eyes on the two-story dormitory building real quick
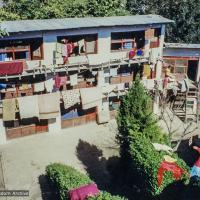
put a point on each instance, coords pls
(64, 72)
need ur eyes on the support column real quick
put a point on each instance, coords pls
(2, 133)
(162, 38)
(49, 47)
(158, 69)
(55, 125)
(198, 71)
(147, 49)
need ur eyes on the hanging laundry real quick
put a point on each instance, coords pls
(63, 80)
(103, 113)
(39, 87)
(149, 34)
(90, 46)
(73, 79)
(28, 106)
(147, 71)
(131, 54)
(57, 81)
(154, 53)
(81, 46)
(70, 97)
(108, 89)
(94, 73)
(49, 105)
(49, 85)
(90, 97)
(24, 87)
(67, 50)
(11, 68)
(70, 47)
(113, 71)
(150, 84)
(64, 50)
(139, 52)
(3, 86)
(120, 86)
(9, 107)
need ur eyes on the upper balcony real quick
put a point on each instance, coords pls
(90, 50)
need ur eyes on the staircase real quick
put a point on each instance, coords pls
(186, 105)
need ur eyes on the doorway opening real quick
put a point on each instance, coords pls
(192, 69)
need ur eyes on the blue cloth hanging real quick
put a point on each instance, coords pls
(139, 52)
(3, 86)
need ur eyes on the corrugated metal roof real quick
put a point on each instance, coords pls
(182, 46)
(74, 23)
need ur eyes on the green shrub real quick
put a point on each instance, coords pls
(65, 178)
(138, 129)
(106, 196)
(145, 161)
(135, 113)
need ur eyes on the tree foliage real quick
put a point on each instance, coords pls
(185, 13)
(135, 113)
(101, 8)
(138, 129)
(37, 9)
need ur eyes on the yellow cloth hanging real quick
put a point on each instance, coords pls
(24, 87)
(147, 71)
(9, 108)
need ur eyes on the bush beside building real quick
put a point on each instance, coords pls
(138, 129)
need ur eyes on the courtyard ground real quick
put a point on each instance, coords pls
(89, 148)
(84, 147)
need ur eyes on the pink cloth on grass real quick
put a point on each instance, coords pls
(84, 192)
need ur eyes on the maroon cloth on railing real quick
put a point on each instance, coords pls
(84, 192)
(11, 68)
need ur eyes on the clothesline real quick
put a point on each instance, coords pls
(66, 68)
(37, 106)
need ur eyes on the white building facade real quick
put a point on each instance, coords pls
(104, 53)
